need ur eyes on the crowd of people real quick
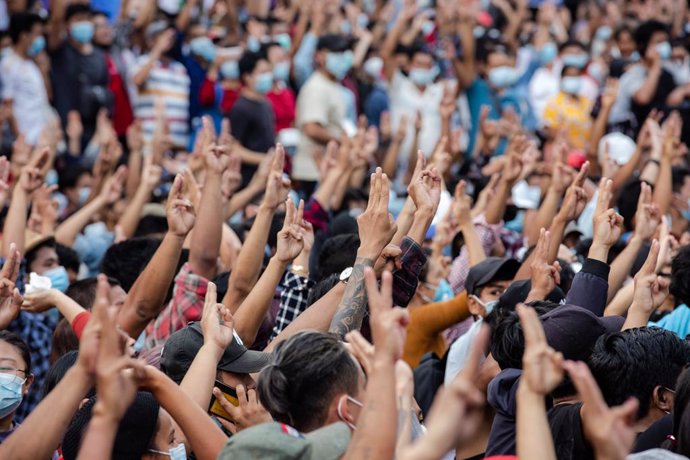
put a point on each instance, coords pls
(360, 229)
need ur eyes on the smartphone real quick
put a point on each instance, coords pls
(230, 394)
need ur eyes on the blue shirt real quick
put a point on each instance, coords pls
(677, 321)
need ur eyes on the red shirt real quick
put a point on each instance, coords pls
(283, 103)
(122, 109)
(207, 96)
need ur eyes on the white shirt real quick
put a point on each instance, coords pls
(459, 352)
(23, 84)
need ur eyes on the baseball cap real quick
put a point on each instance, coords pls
(574, 330)
(488, 270)
(182, 346)
(572, 227)
(279, 441)
(621, 148)
(519, 290)
(334, 42)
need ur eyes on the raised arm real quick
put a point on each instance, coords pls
(509, 175)
(146, 298)
(151, 176)
(388, 48)
(466, 68)
(163, 42)
(649, 293)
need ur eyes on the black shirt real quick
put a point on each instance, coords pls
(568, 437)
(253, 125)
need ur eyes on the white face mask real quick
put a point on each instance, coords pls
(176, 453)
(340, 413)
(488, 306)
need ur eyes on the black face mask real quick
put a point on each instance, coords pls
(510, 213)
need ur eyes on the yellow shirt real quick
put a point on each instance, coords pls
(564, 112)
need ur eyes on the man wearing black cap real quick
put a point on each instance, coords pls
(323, 103)
(485, 283)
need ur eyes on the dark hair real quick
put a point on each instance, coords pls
(84, 291)
(678, 177)
(624, 29)
(58, 370)
(681, 416)
(337, 253)
(680, 276)
(634, 362)
(308, 370)
(627, 202)
(249, 61)
(67, 257)
(151, 225)
(30, 256)
(16, 341)
(125, 261)
(69, 177)
(644, 33)
(21, 23)
(570, 67)
(321, 288)
(75, 9)
(571, 43)
(64, 340)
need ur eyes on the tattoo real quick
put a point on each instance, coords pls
(353, 306)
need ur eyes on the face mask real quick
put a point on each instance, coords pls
(373, 67)
(176, 453)
(264, 82)
(171, 7)
(363, 20)
(37, 46)
(204, 48)
(597, 71)
(503, 77)
(283, 40)
(10, 393)
(603, 33)
(443, 291)
(5, 52)
(548, 53)
(340, 413)
(634, 56)
(423, 77)
(339, 64)
(488, 306)
(428, 27)
(58, 278)
(664, 50)
(253, 44)
(579, 61)
(281, 71)
(84, 194)
(230, 70)
(571, 85)
(82, 31)
(686, 212)
(345, 27)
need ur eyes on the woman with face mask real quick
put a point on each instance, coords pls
(15, 379)
(568, 112)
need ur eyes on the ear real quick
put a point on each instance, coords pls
(29, 381)
(663, 398)
(82, 402)
(343, 409)
(475, 307)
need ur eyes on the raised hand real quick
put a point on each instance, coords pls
(608, 224)
(376, 224)
(650, 289)
(362, 349)
(462, 205)
(290, 238)
(390, 259)
(232, 177)
(250, 412)
(611, 430)
(10, 299)
(216, 322)
(575, 197)
(545, 276)
(112, 189)
(425, 190)
(277, 185)
(542, 366)
(648, 216)
(179, 209)
(388, 323)
(31, 177)
(151, 174)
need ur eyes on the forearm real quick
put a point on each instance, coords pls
(420, 224)
(545, 215)
(473, 243)
(139, 78)
(130, 218)
(621, 265)
(134, 164)
(350, 312)
(251, 312)
(230, 247)
(621, 302)
(250, 157)
(340, 189)
(645, 94)
(70, 228)
(663, 188)
(100, 436)
(65, 305)
(390, 161)
(145, 299)
(328, 186)
(404, 221)
(318, 133)
(357, 177)
(50, 418)
(637, 317)
(598, 131)
(496, 207)
(533, 435)
(556, 230)
(200, 379)
(205, 244)
(677, 96)
(240, 199)
(250, 259)
(623, 174)
(74, 146)
(15, 222)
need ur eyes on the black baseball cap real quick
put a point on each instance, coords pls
(181, 348)
(490, 269)
(518, 291)
(334, 42)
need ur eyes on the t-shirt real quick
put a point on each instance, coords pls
(253, 125)
(624, 109)
(283, 103)
(321, 101)
(22, 83)
(566, 430)
(677, 321)
(571, 114)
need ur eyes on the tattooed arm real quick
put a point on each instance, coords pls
(350, 313)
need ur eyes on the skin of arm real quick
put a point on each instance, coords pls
(57, 24)
(53, 298)
(130, 218)
(621, 301)
(388, 47)
(390, 161)
(318, 133)
(663, 189)
(134, 165)
(15, 222)
(546, 213)
(496, 207)
(230, 247)
(206, 239)
(644, 95)
(420, 224)
(350, 312)
(475, 251)
(465, 69)
(404, 221)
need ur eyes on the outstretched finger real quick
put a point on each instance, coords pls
(299, 220)
(651, 261)
(582, 175)
(604, 197)
(211, 295)
(385, 193)
(532, 329)
(279, 159)
(289, 213)
(177, 186)
(460, 190)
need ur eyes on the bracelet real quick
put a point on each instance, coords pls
(300, 270)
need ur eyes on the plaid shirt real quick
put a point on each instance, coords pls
(293, 300)
(406, 279)
(186, 306)
(36, 329)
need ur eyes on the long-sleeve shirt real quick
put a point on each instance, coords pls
(293, 300)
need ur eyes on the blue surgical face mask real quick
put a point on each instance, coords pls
(37, 46)
(82, 31)
(423, 77)
(284, 40)
(686, 212)
(230, 70)
(488, 306)
(571, 85)
(264, 82)
(204, 48)
(5, 52)
(503, 77)
(253, 44)
(579, 61)
(339, 64)
(84, 194)
(345, 27)
(603, 33)
(664, 50)
(373, 67)
(443, 291)
(428, 27)
(10, 393)
(58, 278)
(176, 453)
(548, 53)
(634, 56)
(281, 71)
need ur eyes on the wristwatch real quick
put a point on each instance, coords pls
(345, 275)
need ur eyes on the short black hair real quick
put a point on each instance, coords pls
(17, 342)
(678, 177)
(337, 253)
(627, 202)
(58, 370)
(77, 8)
(644, 34)
(21, 23)
(249, 61)
(321, 288)
(30, 255)
(572, 42)
(681, 415)
(84, 291)
(126, 260)
(636, 361)
(67, 257)
(69, 177)
(680, 276)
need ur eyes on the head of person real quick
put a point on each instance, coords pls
(75, 185)
(497, 64)
(200, 45)
(103, 34)
(69, 259)
(573, 54)
(433, 286)
(337, 253)
(145, 432)
(487, 281)
(42, 258)
(154, 32)
(652, 41)
(571, 80)
(680, 276)
(124, 261)
(15, 373)
(312, 381)
(26, 32)
(681, 188)
(83, 292)
(255, 72)
(422, 68)
(643, 363)
(79, 22)
(334, 56)
(625, 41)
(59, 368)
(279, 58)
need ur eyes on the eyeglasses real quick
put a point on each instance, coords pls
(13, 371)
